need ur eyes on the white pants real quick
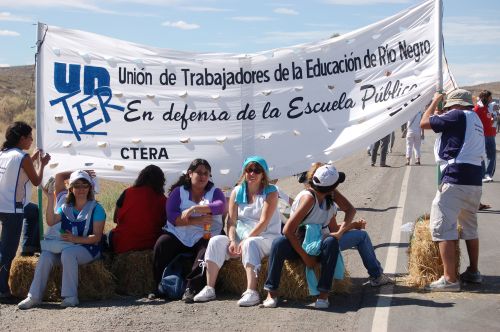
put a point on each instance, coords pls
(253, 250)
(413, 142)
(69, 258)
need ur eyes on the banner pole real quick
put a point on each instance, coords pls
(439, 41)
(38, 103)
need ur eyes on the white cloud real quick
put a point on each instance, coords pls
(251, 18)
(181, 25)
(206, 9)
(287, 37)
(4, 65)
(286, 11)
(8, 33)
(473, 73)
(87, 5)
(6, 16)
(459, 31)
(363, 2)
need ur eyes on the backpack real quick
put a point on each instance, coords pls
(173, 283)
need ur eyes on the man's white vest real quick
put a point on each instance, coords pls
(472, 151)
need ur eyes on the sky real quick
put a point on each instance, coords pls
(471, 28)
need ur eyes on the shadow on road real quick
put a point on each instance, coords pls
(389, 244)
(377, 210)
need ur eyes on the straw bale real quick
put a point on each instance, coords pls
(94, 280)
(424, 261)
(293, 285)
(134, 272)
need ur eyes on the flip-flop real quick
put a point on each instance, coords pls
(484, 206)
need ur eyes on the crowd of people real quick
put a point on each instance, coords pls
(187, 224)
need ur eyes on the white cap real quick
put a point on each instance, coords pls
(327, 176)
(77, 175)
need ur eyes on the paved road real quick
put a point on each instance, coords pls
(386, 198)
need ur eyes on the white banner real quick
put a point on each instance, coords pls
(116, 106)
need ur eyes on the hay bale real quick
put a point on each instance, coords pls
(95, 282)
(134, 272)
(424, 261)
(293, 285)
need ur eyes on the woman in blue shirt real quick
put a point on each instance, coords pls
(82, 223)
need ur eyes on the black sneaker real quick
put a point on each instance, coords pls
(473, 277)
(188, 296)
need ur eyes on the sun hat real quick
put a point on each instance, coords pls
(459, 97)
(327, 176)
(259, 160)
(79, 174)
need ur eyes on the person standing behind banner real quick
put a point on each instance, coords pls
(384, 146)
(459, 155)
(82, 223)
(253, 224)
(140, 213)
(194, 214)
(414, 137)
(16, 171)
(490, 132)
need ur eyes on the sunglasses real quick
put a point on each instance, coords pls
(253, 170)
(200, 173)
(81, 186)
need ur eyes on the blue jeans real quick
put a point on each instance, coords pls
(491, 155)
(12, 224)
(282, 250)
(31, 230)
(361, 240)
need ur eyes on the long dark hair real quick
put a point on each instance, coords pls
(185, 180)
(151, 176)
(14, 133)
(485, 96)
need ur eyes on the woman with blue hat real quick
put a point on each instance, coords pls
(253, 225)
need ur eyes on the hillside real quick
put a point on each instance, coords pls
(17, 97)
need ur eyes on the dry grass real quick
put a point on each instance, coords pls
(424, 262)
(95, 282)
(293, 285)
(134, 272)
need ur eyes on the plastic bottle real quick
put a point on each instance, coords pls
(74, 230)
(206, 231)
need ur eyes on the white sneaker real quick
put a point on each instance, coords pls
(71, 301)
(205, 295)
(443, 285)
(270, 302)
(249, 298)
(381, 280)
(321, 304)
(28, 303)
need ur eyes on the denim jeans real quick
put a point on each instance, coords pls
(361, 241)
(12, 224)
(31, 230)
(282, 250)
(491, 155)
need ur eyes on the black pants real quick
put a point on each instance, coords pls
(167, 247)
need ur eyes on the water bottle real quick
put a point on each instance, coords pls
(74, 230)
(206, 231)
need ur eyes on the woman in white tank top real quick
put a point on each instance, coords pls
(16, 170)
